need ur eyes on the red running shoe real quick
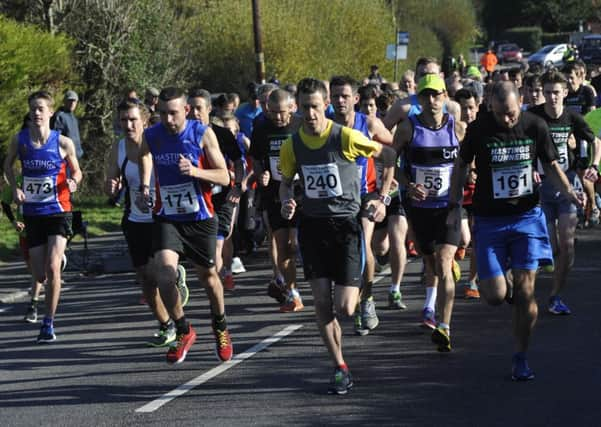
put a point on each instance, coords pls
(223, 345)
(180, 347)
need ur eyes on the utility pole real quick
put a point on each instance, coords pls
(259, 56)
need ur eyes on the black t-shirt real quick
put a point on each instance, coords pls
(266, 140)
(505, 162)
(230, 150)
(560, 129)
(581, 100)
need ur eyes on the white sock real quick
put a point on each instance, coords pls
(430, 297)
(395, 288)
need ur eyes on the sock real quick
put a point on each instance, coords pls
(444, 326)
(219, 322)
(182, 326)
(343, 367)
(431, 297)
(294, 293)
(395, 288)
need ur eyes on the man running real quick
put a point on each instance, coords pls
(45, 195)
(267, 138)
(510, 229)
(186, 159)
(323, 153)
(560, 212)
(429, 143)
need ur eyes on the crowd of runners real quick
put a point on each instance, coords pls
(345, 177)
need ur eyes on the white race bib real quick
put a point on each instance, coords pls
(38, 190)
(563, 161)
(179, 199)
(512, 181)
(274, 168)
(322, 181)
(436, 181)
(135, 211)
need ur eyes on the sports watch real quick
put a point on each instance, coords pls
(386, 199)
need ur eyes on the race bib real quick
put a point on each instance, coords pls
(274, 168)
(322, 181)
(38, 190)
(512, 181)
(135, 211)
(179, 199)
(436, 181)
(563, 161)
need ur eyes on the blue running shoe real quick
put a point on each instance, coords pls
(428, 319)
(46, 333)
(557, 306)
(519, 368)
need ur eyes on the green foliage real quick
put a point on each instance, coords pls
(528, 38)
(555, 38)
(30, 59)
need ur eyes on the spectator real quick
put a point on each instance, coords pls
(66, 123)
(489, 62)
(151, 99)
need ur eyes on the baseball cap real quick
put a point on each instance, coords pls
(71, 95)
(432, 82)
(473, 71)
(153, 91)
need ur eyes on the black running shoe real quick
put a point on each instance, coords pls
(343, 382)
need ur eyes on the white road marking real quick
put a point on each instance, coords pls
(2, 310)
(201, 379)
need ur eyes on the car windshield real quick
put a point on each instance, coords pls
(592, 43)
(546, 49)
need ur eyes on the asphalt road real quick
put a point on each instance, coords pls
(99, 372)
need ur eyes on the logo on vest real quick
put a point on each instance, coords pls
(449, 154)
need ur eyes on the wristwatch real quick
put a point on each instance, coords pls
(386, 199)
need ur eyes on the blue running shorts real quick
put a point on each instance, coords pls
(514, 241)
(553, 202)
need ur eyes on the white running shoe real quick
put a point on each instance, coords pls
(237, 266)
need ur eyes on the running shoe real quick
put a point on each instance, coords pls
(180, 347)
(46, 332)
(557, 306)
(223, 345)
(31, 315)
(182, 287)
(237, 266)
(460, 253)
(428, 318)
(358, 323)
(369, 317)
(293, 302)
(277, 290)
(165, 336)
(594, 219)
(343, 382)
(228, 282)
(442, 338)
(519, 368)
(456, 271)
(548, 268)
(470, 291)
(395, 301)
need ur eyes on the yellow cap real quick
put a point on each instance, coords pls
(432, 82)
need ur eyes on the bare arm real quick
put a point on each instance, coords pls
(67, 146)
(9, 172)
(397, 113)
(113, 173)
(378, 131)
(553, 171)
(217, 173)
(287, 198)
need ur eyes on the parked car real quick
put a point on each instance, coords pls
(550, 55)
(590, 49)
(509, 52)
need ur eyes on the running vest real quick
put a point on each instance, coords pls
(179, 197)
(130, 174)
(331, 182)
(430, 157)
(44, 176)
(367, 167)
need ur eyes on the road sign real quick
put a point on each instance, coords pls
(402, 37)
(401, 52)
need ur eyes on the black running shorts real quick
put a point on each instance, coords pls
(38, 228)
(430, 228)
(138, 236)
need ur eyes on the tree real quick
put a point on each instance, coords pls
(30, 59)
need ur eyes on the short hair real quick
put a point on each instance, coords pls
(309, 86)
(465, 94)
(265, 89)
(425, 60)
(532, 80)
(344, 81)
(280, 95)
(569, 67)
(369, 91)
(515, 71)
(170, 93)
(290, 87)
(384, 101)
(224, 99)
(130, 103)
(197, 92)
(554, 77)
(41, 94)
(501, 91)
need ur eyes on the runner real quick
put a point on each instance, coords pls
(344, 96)
(560, 212)
(267, 138)
(323, 153)
(122, 174)
(45, 157)
(186, 159)
(510, 229)
(429, 143)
